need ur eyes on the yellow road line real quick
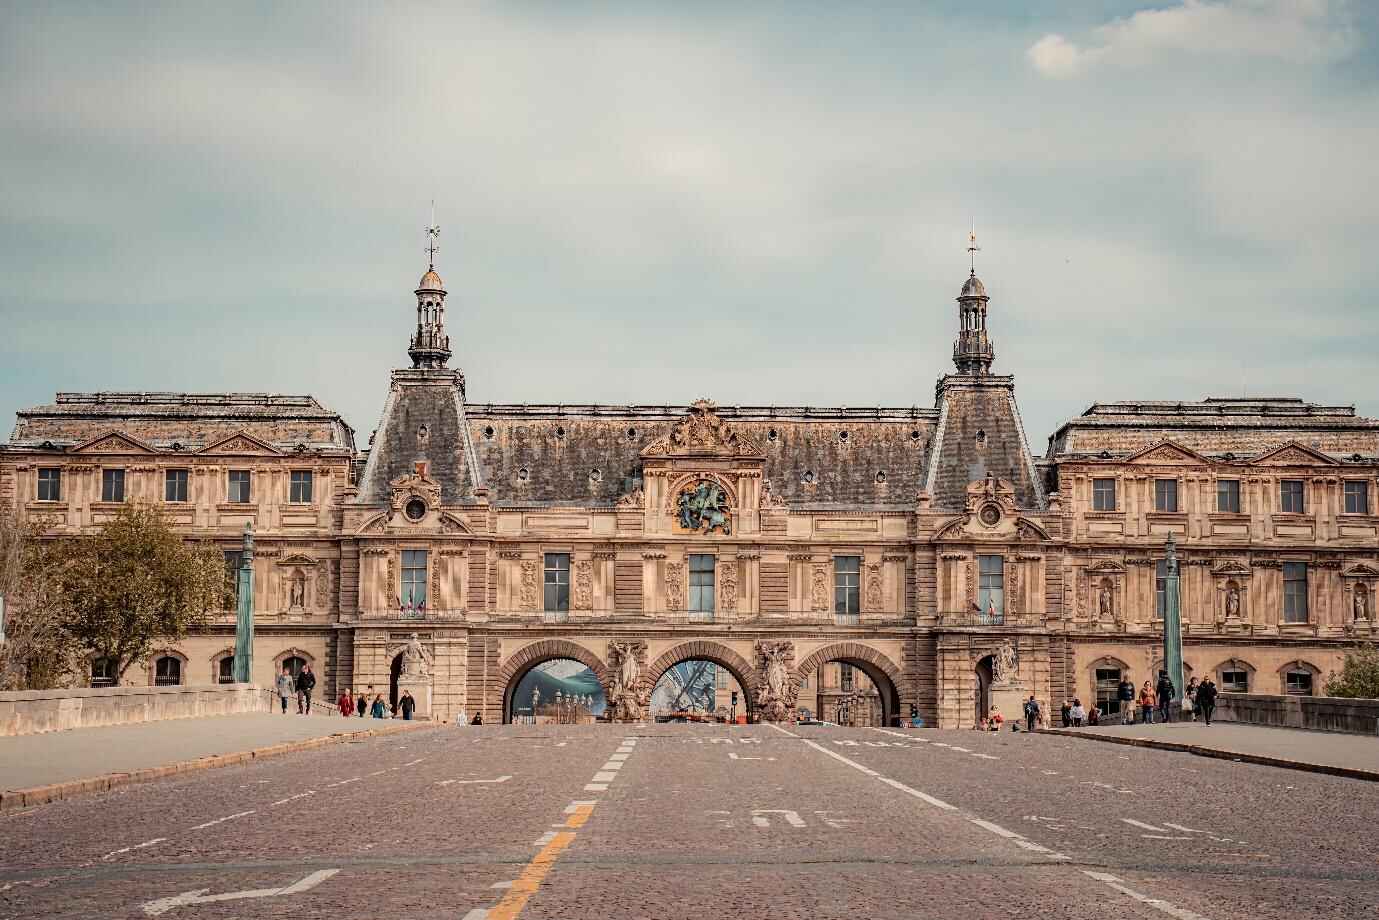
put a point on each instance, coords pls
(536, 871)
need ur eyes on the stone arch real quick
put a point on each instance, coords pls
(529, 656)
(703, 650)
(183, 666)
(883, 672)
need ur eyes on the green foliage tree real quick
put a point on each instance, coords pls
(136, 582)
(1359, 677)
(38, 653)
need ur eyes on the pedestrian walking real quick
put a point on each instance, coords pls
(1125, 693)
(306, 682)
(1031, 713)
(379, 708)
(1165, 691)
(1077, 713)
(1147, 704)
(346, 702)
(407, 705)
(1206, 699)
(361, 703)
(1190, 698)
(286, 687)
(1065, 714)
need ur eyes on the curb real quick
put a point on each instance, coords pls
(40, 795)
(1221, 754)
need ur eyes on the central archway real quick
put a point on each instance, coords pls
(879, 669)
(703, 650)
(529, 656)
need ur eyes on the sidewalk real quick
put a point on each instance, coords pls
(1356, 756)
(53, 765)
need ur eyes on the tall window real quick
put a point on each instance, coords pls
(225, 670)
(847, 679)
(49, 484)
(1165, 495)
(1298, 682)
(413, 577)
(1108, 689)
(175, 486)
(1160, 588)
(701, 567)
(167, 671)
(1228, 495)
(300, 487)
(991, 585)
(239, 487)
(234, 558)
(847, 580)
(1290, 496)
(1356, 496)
(1235, 679)
(1103, 495)
(1295, 592)
(112, 485)
(557, 582)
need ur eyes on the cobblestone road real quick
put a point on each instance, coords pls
(692, 821)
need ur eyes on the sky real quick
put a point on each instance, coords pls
(757, 203)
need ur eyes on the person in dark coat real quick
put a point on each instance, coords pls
(306, 682)
(407, 704)
(1125, 692)
(1165, 692)
(1206, 699)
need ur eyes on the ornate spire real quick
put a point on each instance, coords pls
(972, 352)
(430, 346)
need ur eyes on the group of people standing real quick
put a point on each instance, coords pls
(300, 686)
(368, 703)
(1198, 699)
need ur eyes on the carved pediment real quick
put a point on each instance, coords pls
(239, 444)
(702, 433)
(1106, 567)
(113, 442)
(297, 559)
(1231, 568)
(416, 484)
(1167, 452)
(1295, 454)
(1361, 570)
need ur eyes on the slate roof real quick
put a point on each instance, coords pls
(1215, 426)
(429, 400)
(980, 432)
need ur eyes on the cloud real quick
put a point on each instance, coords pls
(1293, 31)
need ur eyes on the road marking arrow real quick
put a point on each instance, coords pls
(199, 896)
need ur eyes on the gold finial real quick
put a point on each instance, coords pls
(433, 232)
(972, 249)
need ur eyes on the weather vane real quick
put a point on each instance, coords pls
(433, 232)
(972, 249)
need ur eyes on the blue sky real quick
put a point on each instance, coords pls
(757, 203)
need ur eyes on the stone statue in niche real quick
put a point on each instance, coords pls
(1232, 600)
(1105, 601)
(1361, 603)
(414, 661)
(296, 591)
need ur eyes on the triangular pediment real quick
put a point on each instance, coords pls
(702, 433)
(239, 444)
(114, 442)
(1295, 454)
(1167, 452)
(1362, 570)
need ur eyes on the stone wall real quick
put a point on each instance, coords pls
(1323, 713)
(29, 711)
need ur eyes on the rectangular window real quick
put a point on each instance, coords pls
(720, 677)
(1290, 496)
(1228, 495)
(557, 582)
(175, 486)
(1356, 496)
(49, 484)
(847, 580)
(301, 487)
(1160, 589)
(991, 585)
(1108, 689)
(1103, 495)
(1295, 592)
(112, 485)
(234, 558)
(1235, 681)
(846, 679)
(1298, 683)
(239, 487)
(413, 578)
(701, 571)
(1165, 495)
(225, 670)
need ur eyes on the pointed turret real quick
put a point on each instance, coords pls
(972, 352)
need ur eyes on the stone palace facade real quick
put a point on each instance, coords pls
(927, 549)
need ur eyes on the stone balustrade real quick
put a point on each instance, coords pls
(1323, 713)
(26, 712)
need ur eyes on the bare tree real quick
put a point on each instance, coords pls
(38, 653)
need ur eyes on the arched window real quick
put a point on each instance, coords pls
(294, 664)
(1299, 679)
(167, 671)
(225, 670)
(104, 672)
(1234, 676)
(1107, 674)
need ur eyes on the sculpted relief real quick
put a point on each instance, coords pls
(703, 508)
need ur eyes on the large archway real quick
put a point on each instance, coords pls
(720, 655)
(517, 667)
(880, 670)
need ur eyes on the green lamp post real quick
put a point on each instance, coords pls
(1173, 624)
(244, 622)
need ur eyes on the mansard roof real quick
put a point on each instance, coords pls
(192, 421)
(1218, 427)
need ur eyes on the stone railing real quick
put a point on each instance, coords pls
(1323, 713)
(26, 712)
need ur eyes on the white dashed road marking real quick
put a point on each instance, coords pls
(1159, 905)
(1140, 824)
(241, 814)
(137, 846)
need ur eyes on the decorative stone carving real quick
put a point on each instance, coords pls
(415, 660)
(435, 592)
(415, 485)
(392, 588)
(296, 591)
(675, 585)
(531, 581)
(874, 598)
(703, 508)
(770, 501)
(1232, 600)
(776, 696)
(584, 585)
(322, 587)
(702, 433)
(634, 500)
(627, 660)
(1360, 603)
(818, 589)
(1004, 663)
(1106, 601)
(727, 581)
(1012, 594)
